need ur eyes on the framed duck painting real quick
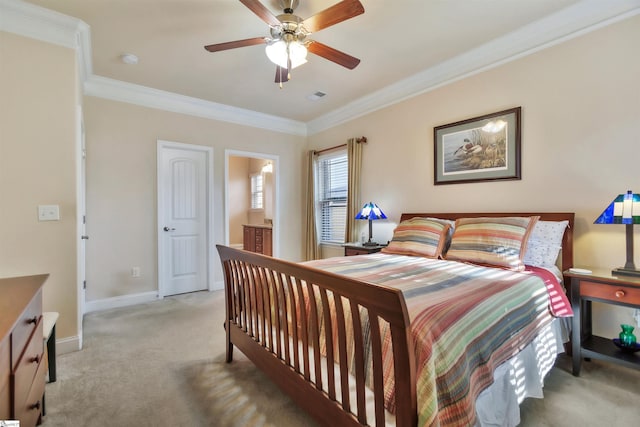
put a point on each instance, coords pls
(484, 148)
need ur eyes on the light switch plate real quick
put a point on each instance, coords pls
(48, 213)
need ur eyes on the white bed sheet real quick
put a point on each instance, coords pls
(516, 379)
(521, 376)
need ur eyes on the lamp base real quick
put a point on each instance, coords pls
(622, 271)
(370, 243)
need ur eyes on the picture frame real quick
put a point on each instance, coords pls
(484, 148)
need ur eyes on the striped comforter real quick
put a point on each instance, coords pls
(466, 320)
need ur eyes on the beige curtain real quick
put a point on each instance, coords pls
(354, 159)
(312, 250)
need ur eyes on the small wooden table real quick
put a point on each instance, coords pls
(360, 249)
(600, 286)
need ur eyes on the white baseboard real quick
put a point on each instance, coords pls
(67, 345)
(217, 285)
(120, 301)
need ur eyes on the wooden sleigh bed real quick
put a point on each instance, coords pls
(342, 344)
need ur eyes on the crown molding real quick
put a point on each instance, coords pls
(571, 22)
(39, 23)
(29, 20)
(32, 21)
(117, 90)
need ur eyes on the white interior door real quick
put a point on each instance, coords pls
(183, 211)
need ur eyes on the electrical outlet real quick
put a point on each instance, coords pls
(135, 272)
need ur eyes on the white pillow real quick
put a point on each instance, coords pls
(544, 243)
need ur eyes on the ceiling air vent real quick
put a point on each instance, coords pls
(315, 96)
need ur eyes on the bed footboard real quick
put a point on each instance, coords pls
(292, 321)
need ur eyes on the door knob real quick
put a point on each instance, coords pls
(169, 229)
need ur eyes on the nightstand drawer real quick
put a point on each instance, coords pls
(357, 249)
(621, 294)
(351, 252)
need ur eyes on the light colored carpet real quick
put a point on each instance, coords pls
(162, 364)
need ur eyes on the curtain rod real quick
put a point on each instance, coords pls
(362, 140)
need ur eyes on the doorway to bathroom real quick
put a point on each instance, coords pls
(251, 201)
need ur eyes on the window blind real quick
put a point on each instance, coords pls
(332, 196)
(257, 191)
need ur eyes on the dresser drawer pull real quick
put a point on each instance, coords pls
(35, 359)
(620, 294)
(33, 320)
(35, 405)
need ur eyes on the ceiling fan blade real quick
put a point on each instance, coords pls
(337, 13)
(232, 45)
(262, 12)
(333, 55)
(282, 74)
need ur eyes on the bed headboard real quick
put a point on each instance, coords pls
(567, 240)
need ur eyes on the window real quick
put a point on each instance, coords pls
(331, 187)
(257, 191)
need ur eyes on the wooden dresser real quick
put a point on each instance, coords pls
(257, 238)
(23, 364)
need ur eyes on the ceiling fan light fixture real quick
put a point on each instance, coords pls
(279, 53)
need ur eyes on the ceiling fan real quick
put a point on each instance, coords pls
(289, 43)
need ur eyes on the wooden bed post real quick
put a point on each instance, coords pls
(228, 296)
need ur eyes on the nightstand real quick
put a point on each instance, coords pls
(603, 287)
(360, 249)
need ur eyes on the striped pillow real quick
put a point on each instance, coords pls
(496, 242)
(420, 237)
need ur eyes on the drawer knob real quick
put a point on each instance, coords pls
(35, 405)
(33, 320)
(619, 294)
(35, 359)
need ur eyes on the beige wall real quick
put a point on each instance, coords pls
(580, 142)
(121, 188)
(239, 195)
(38, 95)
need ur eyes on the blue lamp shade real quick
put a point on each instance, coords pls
(625, 209)
(370, 211)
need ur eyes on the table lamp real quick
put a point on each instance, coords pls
(370, 211)
(625, 209)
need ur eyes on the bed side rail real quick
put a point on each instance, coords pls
(291, 319)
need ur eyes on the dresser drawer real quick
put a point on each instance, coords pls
(27, 366)
(28, 410)
(5, 395)
(621, 294)
(25, 326)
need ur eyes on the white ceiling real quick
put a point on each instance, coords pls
(405, 47)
